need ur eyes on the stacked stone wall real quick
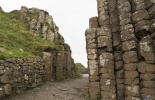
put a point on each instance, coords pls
(120, 48)
(17, 75)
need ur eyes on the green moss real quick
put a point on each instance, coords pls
(75, 72)
(17, 41)
(75, 75)
(99, 97)
(87, 97)
(15, 14)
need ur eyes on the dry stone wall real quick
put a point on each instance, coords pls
(120, 48)
(16, 75)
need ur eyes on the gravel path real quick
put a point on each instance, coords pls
(66, 90)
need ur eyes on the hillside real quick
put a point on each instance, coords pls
(32, 33)
(82, 69)
(16, 39)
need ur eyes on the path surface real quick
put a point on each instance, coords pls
(66, 90)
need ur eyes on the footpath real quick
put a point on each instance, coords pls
(69, 89)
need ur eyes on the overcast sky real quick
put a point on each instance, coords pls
(71, 16)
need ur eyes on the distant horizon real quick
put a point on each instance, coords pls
(72, 18)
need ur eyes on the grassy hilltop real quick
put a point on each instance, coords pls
(17, 41)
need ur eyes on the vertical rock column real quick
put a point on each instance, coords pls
(48, 57)
(129, 48)
(59, 66)
(151, 12)
(125, 48)
(68, 64)
(146, 68)
(105, 52)
(92, 63)
(117, 49)
(142, 17)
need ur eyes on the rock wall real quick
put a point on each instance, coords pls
(41, 23)
(120, 48)
(58, 61)
(56, 64)
(16, 75)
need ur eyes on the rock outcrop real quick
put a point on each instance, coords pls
(41, 23)
(58, 61)
(120, 49)
(54, 64)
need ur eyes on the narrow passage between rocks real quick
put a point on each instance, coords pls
(66, 90)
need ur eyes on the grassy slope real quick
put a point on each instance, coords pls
(81, 68)
(18, 41)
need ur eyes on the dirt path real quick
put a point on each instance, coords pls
(66, 90)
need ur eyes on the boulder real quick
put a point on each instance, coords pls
(4, 79)
(7, 89)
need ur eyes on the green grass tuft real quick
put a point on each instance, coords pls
(17, 41)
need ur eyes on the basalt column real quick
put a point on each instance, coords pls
(105, 52)
(121, 50)
(94, 89)
(129, 48)
(117, 49)
(143, 19)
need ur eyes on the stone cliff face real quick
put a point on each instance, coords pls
(120, 49)
(41, 23)
(55, 64)
(58, 62)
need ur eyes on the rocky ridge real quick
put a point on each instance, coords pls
(41, 23)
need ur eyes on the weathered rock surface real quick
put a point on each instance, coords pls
(58, 63)
(126, 31)
(20, 74)
(54, 64)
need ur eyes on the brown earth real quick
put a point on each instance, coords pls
(69, 89)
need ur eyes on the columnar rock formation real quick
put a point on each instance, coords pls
(58, 62)
(120, 48)
(54, 64)
(41, 23)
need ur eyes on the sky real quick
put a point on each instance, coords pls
(71, 16)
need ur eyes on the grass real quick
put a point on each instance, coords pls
(77, 75)
(18, 42)
(75, 72)
(82, 69)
